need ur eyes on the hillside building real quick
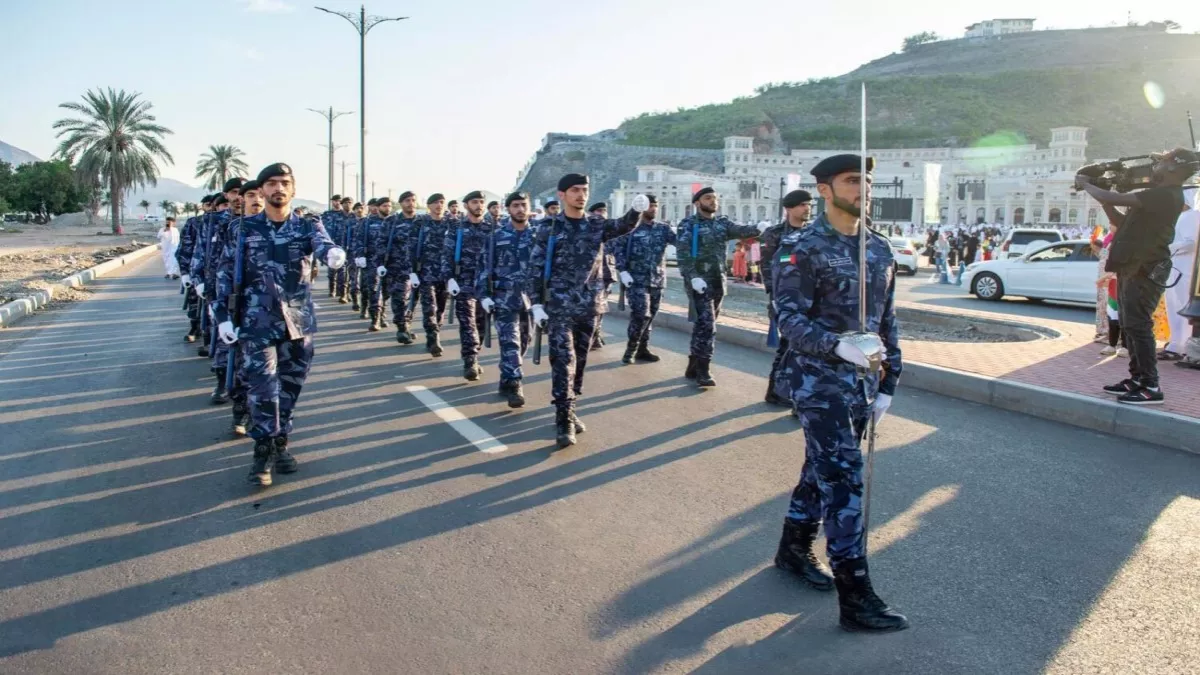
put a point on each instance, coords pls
(993, 27)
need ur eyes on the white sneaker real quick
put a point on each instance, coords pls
(1122, 352)
(1108, 350)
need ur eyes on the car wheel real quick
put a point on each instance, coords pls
(987, 286)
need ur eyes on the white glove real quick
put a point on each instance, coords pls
(381, 271)
(487, 305)
(335, 258)
(698, 285)
(414, 279)
(200, 289)
(626, 279)
(452, 287)
(361, 263)
(539, 315)
(882, 403)
(640, 203)
(227, 333)
(211, 315)
(852, 354)
(186, 279)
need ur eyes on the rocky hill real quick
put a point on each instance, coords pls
(14, 155)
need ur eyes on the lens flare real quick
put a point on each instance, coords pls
(1154, 95)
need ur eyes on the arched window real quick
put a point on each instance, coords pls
(980, 214)
(746, 213)
(1073, 216)
(1092, 217)
(1019, 215)
(1056, 215)
(762, 213)
(1037, 214)
(961, 215)
(1000, 215)
(945, 213)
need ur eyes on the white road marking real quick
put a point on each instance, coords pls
(474, 433)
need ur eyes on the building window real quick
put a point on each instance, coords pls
(1092, 217)
(746, 213)
(1000, 215)
(1019, 215)
(762, 213)
(1037, 214)
(1072, 215)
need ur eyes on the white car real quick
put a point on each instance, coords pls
(905, 253)
(1065, 271)
(1022, 240)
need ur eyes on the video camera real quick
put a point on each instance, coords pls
(1134, 173)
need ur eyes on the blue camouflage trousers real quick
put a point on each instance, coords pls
(372, 291)
(275, 375)
(643, 307)
(341, 279)
(400, 292)
(433, 294)
(708, 310)
(468, 315)
(780, 351)
(513, 329)
(570, 341)
(831, 482)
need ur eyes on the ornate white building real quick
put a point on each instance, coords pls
(999, 27)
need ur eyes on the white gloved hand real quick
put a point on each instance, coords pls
(452, 288)
(381, 271)
(698, 285)
(335, 258)
(487, 305)
(227, 333)
(852, 354)
(626, 279)
(186, 279)
(200, 289)
(414, 279)
(640, 203)
(882, 403)
(211, 315)
(539, 315)
(361, 263)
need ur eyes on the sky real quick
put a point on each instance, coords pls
(460, 94)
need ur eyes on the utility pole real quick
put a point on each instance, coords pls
(356, 189)
(344, 163)
(372, 189)
(330, 116)
(363, 23)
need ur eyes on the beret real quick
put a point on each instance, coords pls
(596, 207)
(516, 197)
(493, 203)
(219, 200)
(335, 199)
(652, 198)
(701, 192)
(347, 200)
(435, 197)
(452, 202)
(795, 198)
(571, 180)
(274, 171)
(206, 199)
(476, 194)
(405, 195)
(836, 165)
(372, 201)
(383, 200)
(234, 183)
(249, 185)
(552, 202)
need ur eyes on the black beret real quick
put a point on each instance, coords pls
(476, 194)
(219, 200)
(347, 200)
(372, 201)
(405, 195)
(383, 200)
(357, 205)
(552, 202)
(248, 186)
(700, 193)
(274, 171)
(435, 197)
(234, 183)
(335, 199)
(795, 198)
(452, 202)
(515, 197)
(571, 180)
(493, 203)
(836, 165)
(596, 207)
(206, 199)
(652, 198)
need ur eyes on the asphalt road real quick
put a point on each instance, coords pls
(130, 542)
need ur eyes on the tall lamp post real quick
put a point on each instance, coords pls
(362, 24)
(330, 116)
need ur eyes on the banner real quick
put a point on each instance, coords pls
(933, 191)
(793, 182)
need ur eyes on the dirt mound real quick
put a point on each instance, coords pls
(21, 274)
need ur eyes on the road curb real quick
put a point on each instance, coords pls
(18, 309)
(1140, 424)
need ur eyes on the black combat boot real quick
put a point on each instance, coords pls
(354, 298)
(861, 609)
(703, 378)
(220, 396)
(362, 312)
(630, 348)
(202, 352)
(597, 341)
(796, 555)
(284, 462)
(264, 458)
(433, 345)
(471, 371)
(578, 425)
(690, 373)
(241, 418)
(375, 328)
(773, 398)
(516, 395)
(644, 354)
(563, 427)
(403, 336)
(193, 332)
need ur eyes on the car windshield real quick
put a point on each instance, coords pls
(1053, 254)
(1023, 238)
(900, 243)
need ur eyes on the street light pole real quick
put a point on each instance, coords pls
(362, 24)
(330, 116)
(344, 163)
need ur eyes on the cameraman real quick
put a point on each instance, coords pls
(1140, 257)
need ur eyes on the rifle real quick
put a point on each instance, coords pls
(773, 328)
(386, 255)
(235, 303)
(412, 302)
(491, 289)
(204, 323)
(628, 253)
(687, 287)
(457, 257)
(346, 235)
(537, 340)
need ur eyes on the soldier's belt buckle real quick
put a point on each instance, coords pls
(870, 344)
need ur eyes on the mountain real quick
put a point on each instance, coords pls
(177, 191)
(14, 155)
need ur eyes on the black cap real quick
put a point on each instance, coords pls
(357, 205)
(347, 200)
(452, 202)
(206, 199)
(701, 192)
(234, 183)
(652, 198)
(248, 186)
(473, 195)
(514, 197)
(405, 195)
(828, 168)
(795, 198)
(219, 200)
(493, 203)
(383, 200)
(372, 202)
(336, 199)
(435, 197)
(274, 171)
(596, 207)
(571, 180)
(552, 202)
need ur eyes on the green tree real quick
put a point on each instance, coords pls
(219, 164)
(913, 41)
(191, 207)
(115, 141)
(47, 188)
(168, 207)
(145, 204)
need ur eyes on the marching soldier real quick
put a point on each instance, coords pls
(188, 237)
(205, 250)
(640, 257)
(829, 380)
(502, 284)
(454, 214)
(344, 219)
(425, 245)
(797, 205)
(220, 236)
(570, 296)
(365, 250)
(252, 205)
(353, 226)
(461, 248)
(600, 210)
(274, 332)
(393, 263)
(493, 213)
(701, 254)
(332, 220)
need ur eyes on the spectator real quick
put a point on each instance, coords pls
(740, 269)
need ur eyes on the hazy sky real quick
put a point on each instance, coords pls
(459, 95)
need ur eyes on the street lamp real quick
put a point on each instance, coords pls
(330, 116)
(362, 24)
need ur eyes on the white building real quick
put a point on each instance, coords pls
(998, 181)
(999, 27)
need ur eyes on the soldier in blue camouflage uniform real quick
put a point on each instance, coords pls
(460, 272)
(220, 236)
(426, 242)
(365, 251)
(353, 225)
(253, 204)
(453, 212)
(816, 300)
(342, 219)
(704, 275)
(393, 263)
(195, 265)
(640, 258)
(492, 217)
(203, 263)
(188, 237)
(600, 210)
(507, 270)
(797, 205)
(274, 332)
(567, 305)
(331, 220)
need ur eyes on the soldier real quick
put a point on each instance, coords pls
(798, 206)
(461, 250)
(569, 300)
(640, 257)
(353, 226)
(454, 213)
(506, 269)
(204, 252)
(493, 213)
(393, 262)
(331, 219)
(425, 246)
(252, 205)
(275, 330)
(372, 207)
(552, 208)
(188, 237)
(701, 253)
(365, 250)
(816, 300)
(600, 210)
(220, 236)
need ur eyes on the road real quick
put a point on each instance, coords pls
(130, 542)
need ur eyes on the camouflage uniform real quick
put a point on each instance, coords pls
(396, 256)
(474, 238)
(206, 250)
(188, 237)
(816, 299)
(709, 235)
(425, 245)
(511, 249)
(366, 245)
(642, 253)
(351, 232)
(781, 234)
(332, 220)
(278, 322)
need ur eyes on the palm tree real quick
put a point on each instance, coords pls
(116, 141)
(219, 164)
(168, 207)
(145, 204)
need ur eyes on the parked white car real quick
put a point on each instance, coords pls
(1022, 240)
(905, 252)
(1065, 271)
